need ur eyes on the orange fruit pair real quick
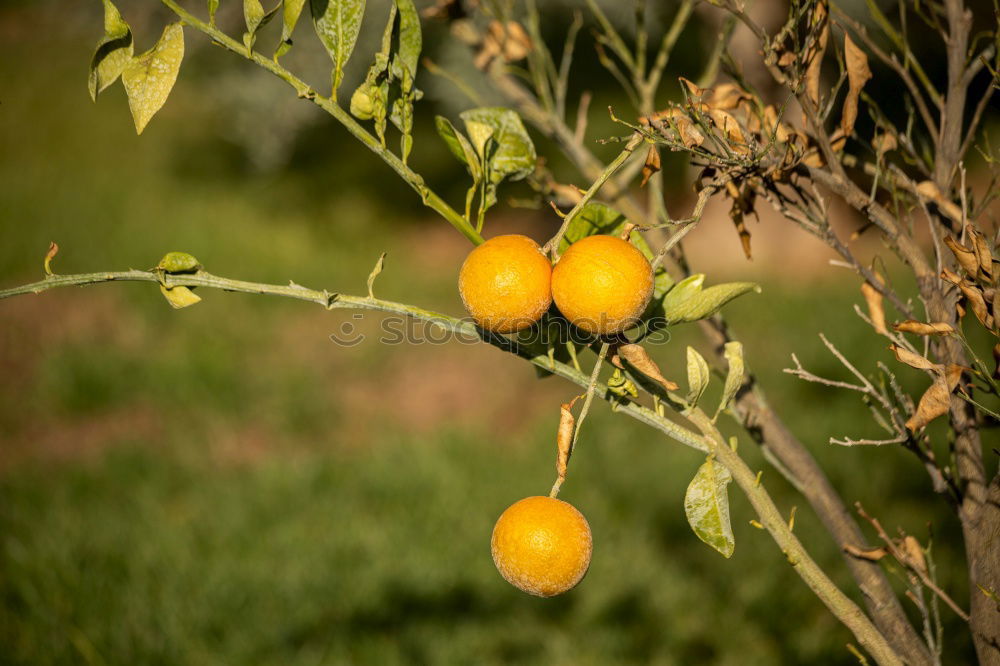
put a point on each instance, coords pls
(601, 284)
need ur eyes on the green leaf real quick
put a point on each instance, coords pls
(706, 505)
(149, 78)
(179, 297)
(513, 154)
(113, 52)
(255, 18)
(178, 262)
(213, 7)
(337, 23)
(687, 301)
(698, 376)
(410, 39)
(459, 146)
(734, 380)
(290, 12)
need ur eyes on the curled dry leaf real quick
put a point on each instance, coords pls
(564, 438)
(920, 328)
(693, 89)
(787, 59)
(913, 553)
(913, 360)
(639, 359)
(936, 399)
(858, 74)
(928, 190)
(727, 96)
(651, 166)
(814, 56)
(872, 554)
(966, 258)
(506, 40)
(873, 297)
(884, 142)
(981, 250)
(49, 256)
(977, 300)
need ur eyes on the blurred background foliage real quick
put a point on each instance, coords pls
(225, 485)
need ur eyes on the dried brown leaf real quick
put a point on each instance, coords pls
(693, 89)
(858, 74)
(873, 297)
(727, 96)
(966, 258)
(920, 328)
(639, 359)
(691, 136)
(917, 361)
(884, 142)
(786, 59)
(975, 298)
(651, 166)
(981, 249)
(872, 554)
(814, 57)
(728, 124)
(564, 438)
(936, 400)
(913, 553)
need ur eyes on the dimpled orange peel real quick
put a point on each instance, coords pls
(602, 284)
(506, 283)
(542, 546)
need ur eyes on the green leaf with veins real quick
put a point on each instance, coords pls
(149, 78)
(513, 155)
(113, 52)
(338, 23)
(687, 301)
(706, 504)
(291, 10)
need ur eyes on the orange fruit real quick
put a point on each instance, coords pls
(542, 546)
(506, 283)
(602, 284)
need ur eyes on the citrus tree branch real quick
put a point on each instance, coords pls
(329, 104)
(708, 440)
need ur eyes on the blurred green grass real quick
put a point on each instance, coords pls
(225, 485)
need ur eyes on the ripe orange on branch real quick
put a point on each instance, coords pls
(506, 283)
(602, 284)
(542, 546)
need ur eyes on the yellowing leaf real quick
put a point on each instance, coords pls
(698, 376)
(734, 379)
(706, 505)
(858, 74)
(113, 52)
(149, 77)
(179, 297)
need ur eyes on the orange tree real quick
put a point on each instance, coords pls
(810, 133)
